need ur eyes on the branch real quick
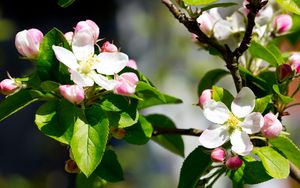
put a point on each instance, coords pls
(294, 173)
(189, 132)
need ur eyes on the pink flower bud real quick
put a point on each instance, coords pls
(282, 23)
(89, 26)
(8, 86)
(218, 155)
(205, 97)
(108, 47)
(118, 133)
(69, 36)
(126, 84)
(72, 93)
(206, 23)
(71, 166)
(284, 72)
(28, 42)
(234, 163)
(294, 59)
(132, 64)
(272, 126)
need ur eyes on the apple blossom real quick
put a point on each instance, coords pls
(132, 64)
(108, 47)
(282, 23)
(8, 86)
(126, 84)
(234, 163)
(88, 26)
(272, 126)
(234, 126)
(205, 97)
(294, 59)
(218, 155)
(72, 93)
(69, 36)
(28, 42)
(206, 23)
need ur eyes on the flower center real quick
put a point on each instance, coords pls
(87, 65)
(233, 122)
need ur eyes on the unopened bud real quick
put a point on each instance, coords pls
(71, 166)
(72, 93)
(8, 86)
(294, 59)
(28, 42)
(284, 72)
(206, 23)
(132, 64)
(90, 26)
(108, 47)
(282, 23)
(205, 97)
(234, 163)
(272, 126)
(118, 133)
(126, 84)
(69, 36)
(218, 155)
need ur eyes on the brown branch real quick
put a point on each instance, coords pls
(189, 132)
(294, 173)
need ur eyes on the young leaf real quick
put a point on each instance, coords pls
(210, 79)
(93, 181)
(275, 164)
(173, 143)
(65, 3)
(288, 148)
(283, 98)
(139, 133)
(254, 173)
(218, 5)
(89, 139)
(276, 52)
(290, 5)
(262, 103)
(194, 166)
(220, 94)
(259, 51)
(198, 2)
(110, 168)
(15, 102)
(56, 119)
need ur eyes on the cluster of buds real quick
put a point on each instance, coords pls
(232, 162)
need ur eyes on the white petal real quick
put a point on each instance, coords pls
(243, 103)
(253, 123)
(111, 62)
(83, 44)
(81, 79)
(241, 143)
(214, 136)
(103, 81)
(216, 112)
(66, 57)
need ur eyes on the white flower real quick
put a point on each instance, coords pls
(82, 62)
(234, 126)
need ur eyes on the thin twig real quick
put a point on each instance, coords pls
(189, 132)
(294, 173)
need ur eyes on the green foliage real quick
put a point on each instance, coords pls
(93, 181)
(290, 5)
(221, 94)
(198, 2)
(139, 133)
(65, 3)
(194, 166)
(210, 79)
(173, 143)
(275, 164)
(89, 138)
(229, 4)
(288, 148)
(262, 103)
(254, 173)
(284, 99)
(15, 102)
(110, 169)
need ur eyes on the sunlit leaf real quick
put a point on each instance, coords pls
(290, 5)
(65, 3)
(198, 2)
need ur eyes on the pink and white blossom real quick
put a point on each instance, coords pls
(88, 26)
(72, 93)
(69, 36)
(132, 64)
(126, 83)
(272, 126)
(234, 163)
(28, 42)
(109, 47)
(294, 59)
(205, 97)
(8, 86)
(218, 155)
(206, 23)
(282, 23)
(234, 126)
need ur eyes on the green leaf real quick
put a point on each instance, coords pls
(259, 51)
(218, 5)
(49, 86)
(139, 133)
(194, 166)
(276, 52)
(220, 94)
(151, 96)
(290, 5)
(93, 181)
(173, 143)
(110, 168)
(65, 3)
(275, 164)
(254, 173)
(48, 67)
(89, 139)
(14, 103)
(56, 119)
(262, 103)
(288, 148)
(237, 175)
(285, 99)
(210, 79)
(121, 111)
(198, 2)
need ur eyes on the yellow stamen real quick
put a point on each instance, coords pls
(87, 65)
(233, 122)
